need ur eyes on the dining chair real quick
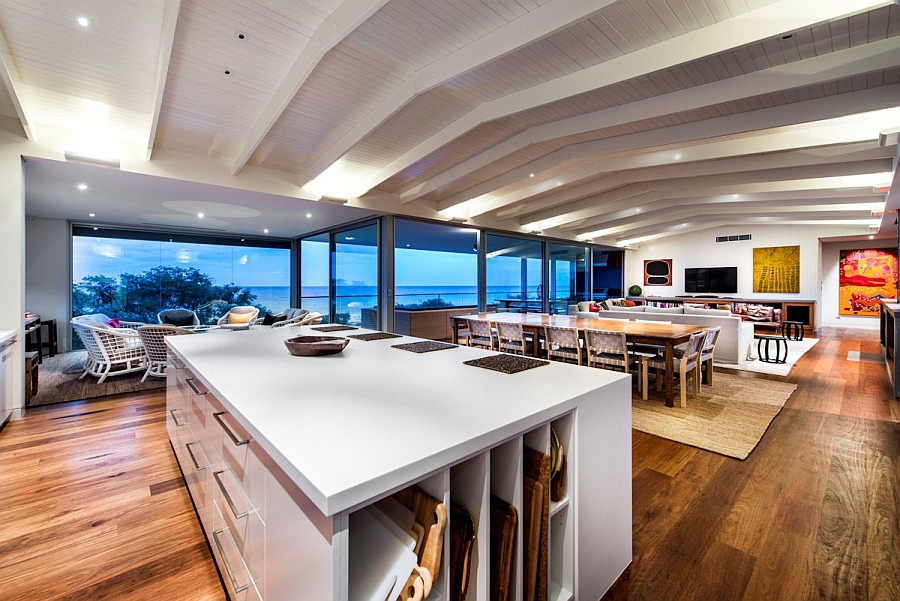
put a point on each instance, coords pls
(563, 343)
(511, 337)
(706, 353)
(609, 350)
(480, 333)
(152, 337)
(687, 361)
(239, 315)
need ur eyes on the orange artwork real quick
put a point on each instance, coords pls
(866, 276)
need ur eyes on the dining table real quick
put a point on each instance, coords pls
(665, 335)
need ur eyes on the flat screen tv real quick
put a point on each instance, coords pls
(710, 280)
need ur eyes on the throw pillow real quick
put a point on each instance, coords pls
(594, 308)
(179, 319)
(604, 305)
(239, 317)
(114, 323)
(630, 303)
(270, 319)
(619, 303)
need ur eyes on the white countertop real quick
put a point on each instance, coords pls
(6, 335)
(351, 427)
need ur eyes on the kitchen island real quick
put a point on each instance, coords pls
(279, 452)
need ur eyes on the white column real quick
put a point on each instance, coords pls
(12, 263)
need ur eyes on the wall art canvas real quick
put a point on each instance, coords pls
(776, 269)
(658, 272)
(865, 277)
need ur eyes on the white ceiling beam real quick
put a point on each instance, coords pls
(337, 26)
(684, 212)
(790, 114)
(867, 58)
(537, 24)
(593, 205)
(622, 216)
(855, 152)
(10, 75)
(162, 68)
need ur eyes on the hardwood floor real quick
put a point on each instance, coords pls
(93, 506)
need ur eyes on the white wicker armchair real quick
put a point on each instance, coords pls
(111, 351)
(240, 311)
(157, 355)
(292, 317)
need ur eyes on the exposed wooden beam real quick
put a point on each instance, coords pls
(594, 205)
(337, 26)
(855, 152)
(539, 23)
(779, 116)
(876, 56)
(10, 76)
(615, 218)
(162, 68)
(776, 19)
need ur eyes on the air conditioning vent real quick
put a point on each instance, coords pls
(733, 238)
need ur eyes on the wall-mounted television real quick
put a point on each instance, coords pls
(711, 280)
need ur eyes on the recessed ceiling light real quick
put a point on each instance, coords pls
(407, 246)
(531, 175)
(240, 35)
(200, 215)
(226, 71)
(82, 187)
(871, 237)
(96, 228)
(266, 231)
(92, 215)
(349, 238)
(308, 215)
(83, 21)
(637, 210)
(242, 239)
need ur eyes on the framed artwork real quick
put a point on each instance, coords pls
(658, 272)
(865, 277)
(776, 269)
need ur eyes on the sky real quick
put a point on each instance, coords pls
(241, 265)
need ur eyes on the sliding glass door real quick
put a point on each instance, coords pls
(515, 274)
(568, 275)
(355, 276)
(315, 274)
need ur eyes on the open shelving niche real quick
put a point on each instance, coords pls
(499, 471)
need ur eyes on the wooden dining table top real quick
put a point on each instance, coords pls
(658, 330)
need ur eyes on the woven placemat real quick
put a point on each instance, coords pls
(424, 347)
(507, 364)
(337, 328)
(374, 336)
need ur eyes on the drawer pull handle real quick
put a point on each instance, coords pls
(197, 465)
(190, 382)
(228, 499)
(228, 568)
(175, 417)
(237, 441)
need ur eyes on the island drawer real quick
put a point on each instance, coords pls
(240, 454)
(242, 577)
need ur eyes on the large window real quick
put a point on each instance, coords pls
(515, 274)
(608, 273)
(356, 276)
(315, 274)
(133, 275)
(568, 276)
(435, 266)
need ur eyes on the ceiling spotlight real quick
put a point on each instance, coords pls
(200, 215)
(82, 187)
(226, 71)
(91, 215)
(531, 175)
(266, 231)
(407, 246)
(871, 237)
(242, 239)
(96, 228)
(240, 35)
(83, 21)
(309, 215)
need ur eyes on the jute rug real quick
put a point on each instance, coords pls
(796, 349)
(730, 418)
(58, 381)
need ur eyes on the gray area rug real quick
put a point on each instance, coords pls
(58, 381)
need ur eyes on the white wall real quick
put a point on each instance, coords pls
(12, 264)
(47, 279)
(700, 249)
(831, 256)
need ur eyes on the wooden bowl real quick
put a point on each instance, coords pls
(312, 346)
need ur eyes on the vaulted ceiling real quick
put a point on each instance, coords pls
(616, 121)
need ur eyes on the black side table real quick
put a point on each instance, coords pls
(792, 330)
(51, 340)
(764, 352)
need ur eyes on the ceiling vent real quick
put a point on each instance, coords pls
(733, 238)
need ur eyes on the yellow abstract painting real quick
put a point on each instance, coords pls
(776, 269)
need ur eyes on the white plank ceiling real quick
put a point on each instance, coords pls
(529, 114)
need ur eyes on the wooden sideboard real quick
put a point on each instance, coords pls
(803, 311)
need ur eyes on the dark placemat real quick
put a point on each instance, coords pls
(424, 347)
(374, 336)
(507, 364)
(337, 328)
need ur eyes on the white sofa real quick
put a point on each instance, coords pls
(735, 343)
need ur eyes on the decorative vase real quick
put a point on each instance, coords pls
(635, 290)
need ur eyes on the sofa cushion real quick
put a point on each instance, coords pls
(270, 319)
(585, 305)
(673, 310)
(634, 309)
(592, 308)
(179, 318)
(760, 313)
(698, 311)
